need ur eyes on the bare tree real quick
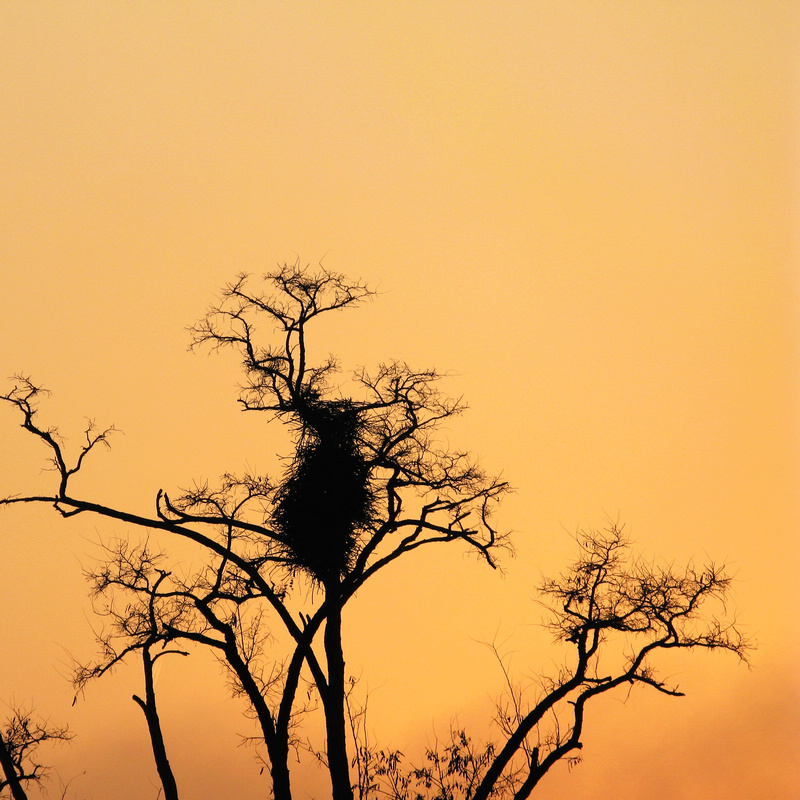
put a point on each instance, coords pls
(368, 483)
(148, 609)
(358, 462)
(141, 627)
(19, 740)
(617, 613)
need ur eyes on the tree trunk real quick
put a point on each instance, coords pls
(334, 702)
(148, 706)
(277, 743)
(12, 780)
(279, 770)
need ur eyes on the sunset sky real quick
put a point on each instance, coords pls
(585, 212)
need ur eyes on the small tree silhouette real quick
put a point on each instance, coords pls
(20, 738)
(617, 613)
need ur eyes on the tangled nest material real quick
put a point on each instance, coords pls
(326, 497)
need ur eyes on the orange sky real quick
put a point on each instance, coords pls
(587, 211)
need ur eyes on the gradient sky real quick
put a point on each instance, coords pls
(586, 211)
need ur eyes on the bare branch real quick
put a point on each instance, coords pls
(606, 593)
(20, 738)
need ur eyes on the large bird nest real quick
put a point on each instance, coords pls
(326, 499)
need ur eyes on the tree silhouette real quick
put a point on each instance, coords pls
(617, 613)
(20, 738)
(367, 482)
